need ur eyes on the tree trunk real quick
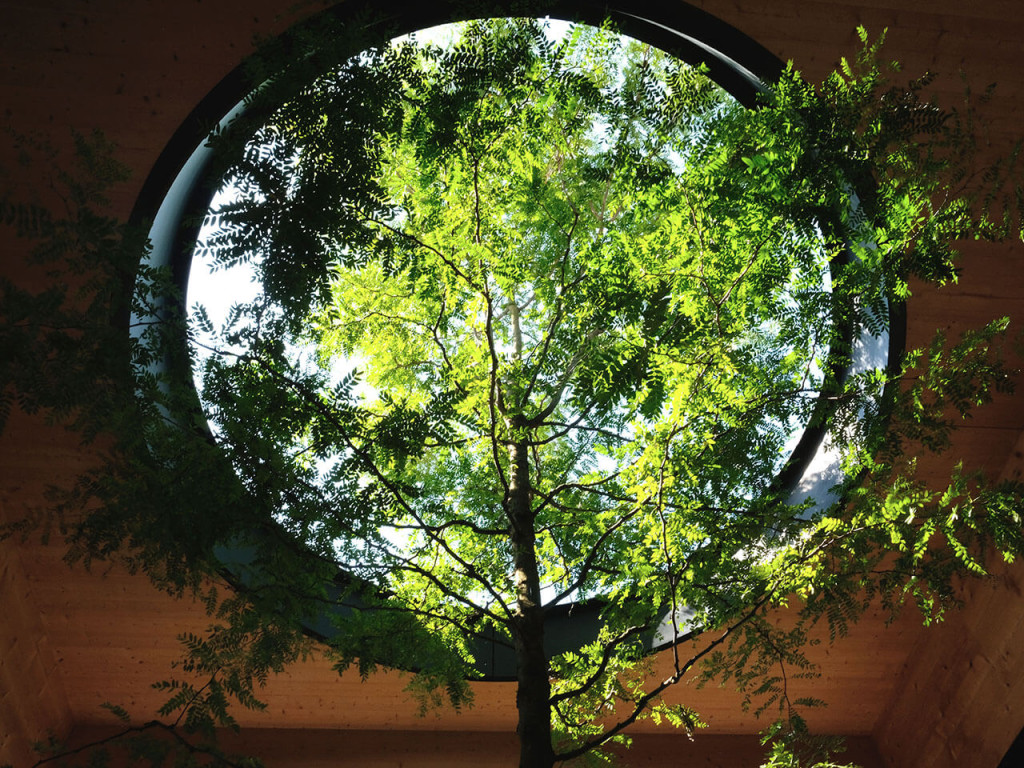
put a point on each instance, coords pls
(534, 686)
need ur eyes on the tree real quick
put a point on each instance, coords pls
(539, 319)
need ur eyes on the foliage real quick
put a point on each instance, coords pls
(537, 320)
(151, 743)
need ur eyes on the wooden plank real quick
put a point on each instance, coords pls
(970, 666)
(32, 697)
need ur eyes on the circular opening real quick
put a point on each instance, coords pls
(810, 470)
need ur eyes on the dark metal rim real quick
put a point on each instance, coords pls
(732, 59)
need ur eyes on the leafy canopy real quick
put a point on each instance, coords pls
(550, 249)
(538, 321)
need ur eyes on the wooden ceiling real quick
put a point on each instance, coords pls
(70, 640)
